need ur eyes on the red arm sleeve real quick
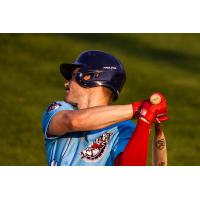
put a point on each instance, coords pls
(136, 151)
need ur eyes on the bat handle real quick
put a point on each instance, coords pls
(155, 99)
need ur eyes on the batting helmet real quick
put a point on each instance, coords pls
(103, 68)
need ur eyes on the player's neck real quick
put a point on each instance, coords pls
(90, 104)
(93, 100)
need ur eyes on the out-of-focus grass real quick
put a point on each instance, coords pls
(30, 80)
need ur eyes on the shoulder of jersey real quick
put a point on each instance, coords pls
(57, 104)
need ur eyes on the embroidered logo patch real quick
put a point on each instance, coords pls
(97, 149)
(53, 106)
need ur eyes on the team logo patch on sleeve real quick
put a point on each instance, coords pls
(97, 149)
(53, 106)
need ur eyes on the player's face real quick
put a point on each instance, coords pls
(73, 91)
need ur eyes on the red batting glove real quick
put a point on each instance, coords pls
(161, 118)
(152, 113)
(136, 109)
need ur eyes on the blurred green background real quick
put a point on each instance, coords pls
(30, 80)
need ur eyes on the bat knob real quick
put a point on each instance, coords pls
(155, 99)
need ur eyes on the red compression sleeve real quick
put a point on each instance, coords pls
(136, 151)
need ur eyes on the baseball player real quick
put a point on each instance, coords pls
(85, 130)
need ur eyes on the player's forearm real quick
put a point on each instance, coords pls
(94, 118)
(159, 148)
(100, 117)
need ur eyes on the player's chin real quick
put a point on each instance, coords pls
(69, 99)
(66, 98)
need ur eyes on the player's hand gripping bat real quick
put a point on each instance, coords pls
(153, 109)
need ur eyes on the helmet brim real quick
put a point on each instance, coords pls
(67, 69)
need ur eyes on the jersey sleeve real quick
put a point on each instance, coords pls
(125, 132)
(51, 110)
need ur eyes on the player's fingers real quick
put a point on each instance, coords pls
(162, 118)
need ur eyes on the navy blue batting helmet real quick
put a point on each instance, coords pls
(103, 68)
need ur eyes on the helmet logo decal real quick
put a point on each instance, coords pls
(109, 67)
(97, 149)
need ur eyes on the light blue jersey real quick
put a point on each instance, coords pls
(87, 148)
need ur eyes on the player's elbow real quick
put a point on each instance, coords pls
(62, 123)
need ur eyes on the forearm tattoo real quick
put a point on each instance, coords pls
(160, 144)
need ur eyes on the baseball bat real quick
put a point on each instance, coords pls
(155, 99)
